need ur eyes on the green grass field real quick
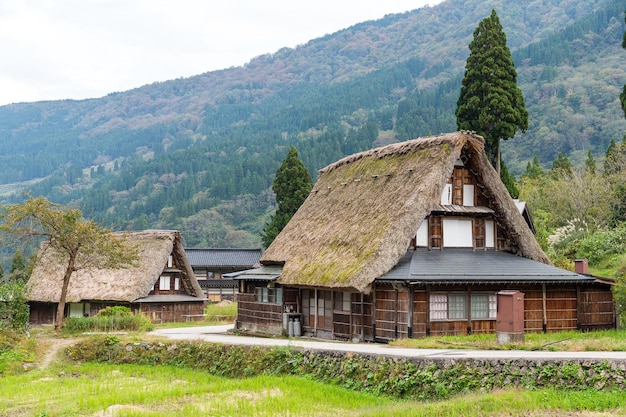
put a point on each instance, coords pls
(607, 340)
(107, 390)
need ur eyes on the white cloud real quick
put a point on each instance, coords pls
(80, 49)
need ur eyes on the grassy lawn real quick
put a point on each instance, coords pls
(221, 313)
(108, 390)
(608, 340)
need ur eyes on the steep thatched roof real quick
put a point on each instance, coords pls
(125, 284)
(364, 209)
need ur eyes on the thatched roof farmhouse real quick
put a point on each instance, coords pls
(162, 284)
(384, 244)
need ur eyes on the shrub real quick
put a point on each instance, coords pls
(602, 243)
(14, 311)
(109, 319)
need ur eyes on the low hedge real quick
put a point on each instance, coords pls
(415, 378)
(109, 319)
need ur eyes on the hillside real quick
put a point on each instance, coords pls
(199, 154)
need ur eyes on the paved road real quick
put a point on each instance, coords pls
(219, 334)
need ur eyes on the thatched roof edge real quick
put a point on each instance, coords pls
(125, 284)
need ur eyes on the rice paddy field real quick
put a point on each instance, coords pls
(64, 389)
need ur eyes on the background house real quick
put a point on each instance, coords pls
(162, 285)
(210, 265)
(413, 239)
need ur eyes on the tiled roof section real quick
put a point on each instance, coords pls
(467, 266)
(224, 258)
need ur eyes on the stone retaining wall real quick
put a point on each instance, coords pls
(417, 378)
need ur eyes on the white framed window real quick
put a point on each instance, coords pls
(453, 306)
(468, 194)
(421, 238)
(176, 283)
(490, 234)
(164, 283)
(457, 306)
(446, 195)
(170, 261)
(438, 306)
(458, 233)
(268, 295)
(342, 301)
(484, 306)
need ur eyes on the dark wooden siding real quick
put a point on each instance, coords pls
(392, 313)
(596, 309)
(172, 312)
(420, 313)
(263, 317)
(533, 310)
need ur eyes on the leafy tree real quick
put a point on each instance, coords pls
(14, 311)
(292, 185)
(77, 242)
(490, 102)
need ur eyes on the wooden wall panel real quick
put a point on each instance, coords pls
(392, 308)
(596, 309)
(420, 313)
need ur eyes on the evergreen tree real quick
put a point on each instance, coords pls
(490, 102)
(562, 165)
(292, 185)
(622, 96)
(533, 170)
(590, 163)
(18, 267)
(509, 181)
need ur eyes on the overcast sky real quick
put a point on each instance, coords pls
(57, 49)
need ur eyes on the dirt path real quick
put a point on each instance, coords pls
(51, 348)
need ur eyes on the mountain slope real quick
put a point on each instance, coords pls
(199, 154)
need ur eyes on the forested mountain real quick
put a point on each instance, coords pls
(199, 154)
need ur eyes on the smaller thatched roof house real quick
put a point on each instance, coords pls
(162, 284)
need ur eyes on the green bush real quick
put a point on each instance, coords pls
(109, 319)
(602, 243)
(14, 310)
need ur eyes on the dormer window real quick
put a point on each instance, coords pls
(460, 189)
(438, 232)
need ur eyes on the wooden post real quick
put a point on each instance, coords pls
(544, 308)
(316, 312)
(410, 291)
(362, 320)
(395, 318)
(374, 314)
(468, 310)
(578, 307)
(428, 310)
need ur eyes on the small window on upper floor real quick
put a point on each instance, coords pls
(446, 195)
(170, 261)
(164, 283)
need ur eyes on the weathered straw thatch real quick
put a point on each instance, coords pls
(124, 284)
(364, 209)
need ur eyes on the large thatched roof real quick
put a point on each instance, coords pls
(364, 209)
(125, 284)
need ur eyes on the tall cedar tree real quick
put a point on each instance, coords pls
(292, 185)
(78, 242)
(491, 103)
